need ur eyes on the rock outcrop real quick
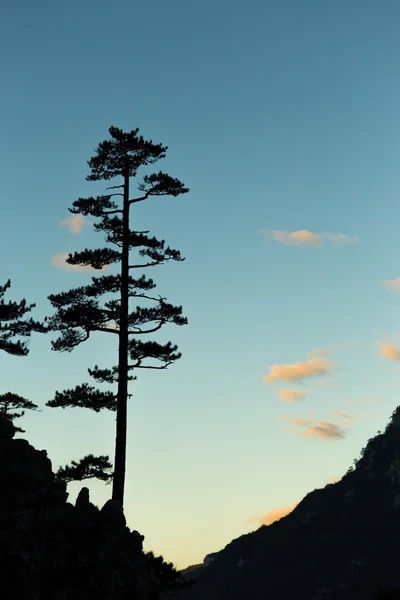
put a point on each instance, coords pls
(53, 550)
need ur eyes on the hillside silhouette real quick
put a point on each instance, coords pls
(341, 541)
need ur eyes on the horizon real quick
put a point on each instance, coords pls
(283, 120)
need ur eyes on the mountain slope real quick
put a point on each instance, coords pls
(342, 541)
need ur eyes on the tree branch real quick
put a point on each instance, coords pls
(139, 366)
(115, 187)
(152, 264)
(140, 331)
(133, 200)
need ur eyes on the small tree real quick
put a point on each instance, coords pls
(79, 312)
(88, 467)
(15, 333)
(14, 401)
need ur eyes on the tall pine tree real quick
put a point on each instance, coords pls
(80, 312)
(15, 332)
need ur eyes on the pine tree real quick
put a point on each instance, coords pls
(14, 401)
(89, 466)
(79, 312)
(15, 333)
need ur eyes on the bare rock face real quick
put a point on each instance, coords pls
(53, 550)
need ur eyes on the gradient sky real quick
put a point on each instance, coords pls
(283, 119)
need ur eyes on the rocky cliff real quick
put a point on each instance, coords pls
(53, 550)
(340, 542)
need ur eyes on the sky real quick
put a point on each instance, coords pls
(282, 117)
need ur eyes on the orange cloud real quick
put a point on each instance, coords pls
(392, 284)
(389, 351)
(60, 260)
(343, 415)
(289, 395)
(272, 515)
(329, 349)
(75, 223)
(346, 418)
(305, 237)
(314, 367)
(325, 430)
(295, 238)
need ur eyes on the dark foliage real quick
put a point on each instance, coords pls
(15, 327)
(89, 467)
(9, 401)
(15, 332)
(169, 579)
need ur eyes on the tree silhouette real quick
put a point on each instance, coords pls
(14, 401)
(15, 333)
(79, 312)
(89, 466)
(169, 579)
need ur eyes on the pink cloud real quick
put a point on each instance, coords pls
(314, 367)
(75, 223)
(295, 238)
(304, 237)
(389, 351)
(392, 284)
(290, 395)
(325, 430)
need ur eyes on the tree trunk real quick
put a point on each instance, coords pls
(122, 394)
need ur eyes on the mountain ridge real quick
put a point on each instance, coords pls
(340, 541)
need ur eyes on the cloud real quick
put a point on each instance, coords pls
(325, 430)
(272, 515)
(346, 418)
(289, 395)
(313, 367)
(60, 260)
(75, 223)
(339, 238)
(295, 238)
(392, 284)
(329, 349)
(303, 237)
(389, 351)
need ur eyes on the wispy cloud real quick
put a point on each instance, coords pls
(362, 400)
(346, 418)
(325, 430)
(329, 349)
(289, 395)
(303, 237)
(271, 516)
(389, 351)
(75, 223)
(313, 367)
(60, 260)
(392, 284)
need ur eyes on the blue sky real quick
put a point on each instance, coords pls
(281, 117)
